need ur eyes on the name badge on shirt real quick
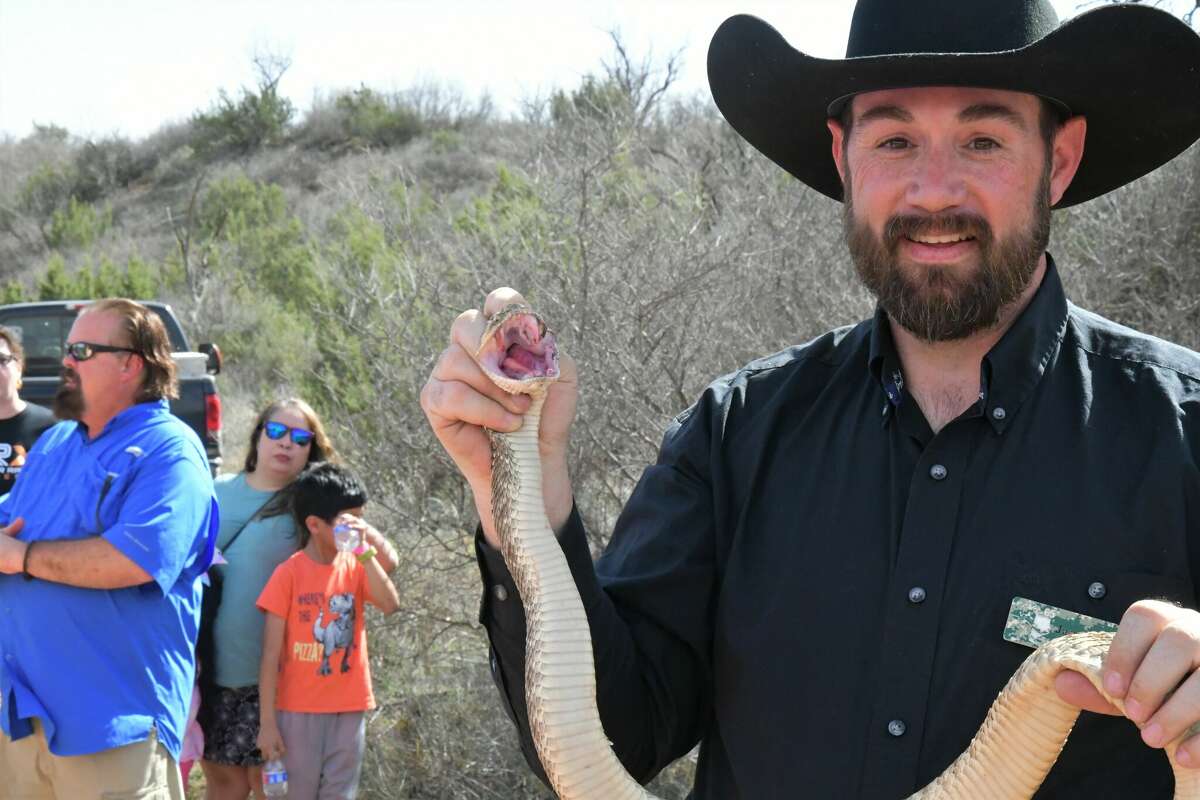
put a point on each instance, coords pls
(1033, 624)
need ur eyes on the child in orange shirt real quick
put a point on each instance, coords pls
(314, 682)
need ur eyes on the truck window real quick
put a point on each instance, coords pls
(42, 337)
(43, 332)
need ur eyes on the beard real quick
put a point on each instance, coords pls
(933, 302)
(68, 400)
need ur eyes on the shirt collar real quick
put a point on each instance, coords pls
(1010, 369)
(1016, 363)
(884, 364)
(130, 417)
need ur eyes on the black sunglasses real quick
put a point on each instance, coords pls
(277, 430)
(82, 351)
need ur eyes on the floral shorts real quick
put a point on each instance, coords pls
(230, 726)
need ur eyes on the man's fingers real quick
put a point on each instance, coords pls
(1139, 628)
(13, 528)
(1188, 754)
(1170, 659)
(448, 403)
(457, 366)
(499, 299)
(1180, 711)
(467, 330)
(458, 362)
(1077, 690)
(568, 372)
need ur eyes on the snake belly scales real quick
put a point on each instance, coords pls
(1008, 758)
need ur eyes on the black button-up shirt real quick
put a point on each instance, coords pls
(813, 585)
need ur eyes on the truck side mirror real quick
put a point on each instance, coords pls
(213, 352)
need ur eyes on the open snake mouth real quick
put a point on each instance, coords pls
(520, 348)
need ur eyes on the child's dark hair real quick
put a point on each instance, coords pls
(324, 490)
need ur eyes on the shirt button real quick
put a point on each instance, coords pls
(916, 595)
(937, 472)
(998, 413)
(499, 592)
(897, 727)
(1097, 590)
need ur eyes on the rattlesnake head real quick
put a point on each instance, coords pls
(518, 352)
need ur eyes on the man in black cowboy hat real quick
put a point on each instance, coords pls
(812, 581)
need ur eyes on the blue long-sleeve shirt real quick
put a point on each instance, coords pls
(97, 667)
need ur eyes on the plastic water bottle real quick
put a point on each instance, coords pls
(345, 537)
(274, 778)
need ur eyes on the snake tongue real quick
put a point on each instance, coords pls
(519, 362)
(521, 349)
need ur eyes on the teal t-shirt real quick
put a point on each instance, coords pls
(254, 555)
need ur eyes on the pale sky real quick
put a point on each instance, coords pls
(99, 67)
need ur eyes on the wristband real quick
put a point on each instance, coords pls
(365, 555)
(25, 562)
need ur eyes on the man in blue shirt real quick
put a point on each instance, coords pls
(109, 529)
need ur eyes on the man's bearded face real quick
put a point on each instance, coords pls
(68, 400)
(938, 303)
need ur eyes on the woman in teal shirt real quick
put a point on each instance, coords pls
(257, 534)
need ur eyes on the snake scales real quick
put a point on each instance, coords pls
(1009, 757)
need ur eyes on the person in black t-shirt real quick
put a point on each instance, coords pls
(21, 423)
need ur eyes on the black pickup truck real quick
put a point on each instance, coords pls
(43, 327)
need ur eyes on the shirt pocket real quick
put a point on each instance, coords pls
(1103, 592)
(95, 502)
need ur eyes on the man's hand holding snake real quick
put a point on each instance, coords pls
(459, 401)
(1151, 666)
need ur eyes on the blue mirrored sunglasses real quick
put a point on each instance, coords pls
(277, 430)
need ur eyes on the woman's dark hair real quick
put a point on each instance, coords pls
(323, 490)
(321, 448)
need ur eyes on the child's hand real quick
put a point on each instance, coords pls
(356, 524)
(270, 743)
(370, 538)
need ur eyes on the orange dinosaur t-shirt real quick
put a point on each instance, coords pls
(323, 663)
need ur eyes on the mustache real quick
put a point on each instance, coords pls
(943, 224)
(66, 373)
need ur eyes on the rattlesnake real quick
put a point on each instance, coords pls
(1007, 760)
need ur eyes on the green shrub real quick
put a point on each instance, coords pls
(13, 291)
(594, 99)
(242, 126)
(257, 119)
(275, 345)
(78, 225)
(50, 133)
(257, 242)
(90, 282)
(46, 191)
(55, 284)
(139, 280)
(361, 118)
(110, 163)
(445, 141)
(375, 120)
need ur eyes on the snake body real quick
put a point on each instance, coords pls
(1008, 758)
(560, 675)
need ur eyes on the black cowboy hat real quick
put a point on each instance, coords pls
(1132, 70)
